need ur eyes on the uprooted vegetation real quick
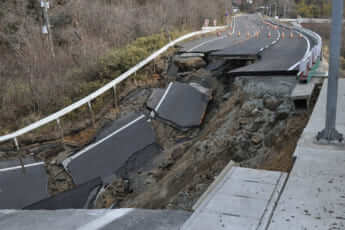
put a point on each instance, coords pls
(91, 47)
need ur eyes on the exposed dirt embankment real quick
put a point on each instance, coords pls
(254, 124)
(251, 121)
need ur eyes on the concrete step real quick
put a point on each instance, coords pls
(243, 199)
(212, 188)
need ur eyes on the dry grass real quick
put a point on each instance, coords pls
(88, 39)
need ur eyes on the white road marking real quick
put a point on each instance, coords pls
(164, 96)
(19, 167)
(204, 43)
(68, 160)
(215, 39)
(305, 55)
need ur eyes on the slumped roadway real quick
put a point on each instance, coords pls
(106, 156)
(83, 172)
(21, 187)
(182, 105)
(277, 53)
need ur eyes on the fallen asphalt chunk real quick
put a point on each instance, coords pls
(104, 157)
(154, 99)
(182, 105)
(20, 186)
(81, 197)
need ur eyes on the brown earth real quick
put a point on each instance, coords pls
(253, 124)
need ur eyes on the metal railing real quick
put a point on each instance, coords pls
(312, 54)
(109, 86)
(304, 65)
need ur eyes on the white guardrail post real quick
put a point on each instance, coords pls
(312, 55)
(115, 96)
(111, 85)
(92, 114)
(58, 122)
(16, 143)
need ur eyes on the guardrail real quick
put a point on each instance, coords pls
(307, 20)
(312, 55)
(110, 86)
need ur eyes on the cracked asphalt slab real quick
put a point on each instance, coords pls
(21, 187)
(132, 137)
(182, 105)
(80, 197)
(105, 157)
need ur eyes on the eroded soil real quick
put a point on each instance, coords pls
(251, 121)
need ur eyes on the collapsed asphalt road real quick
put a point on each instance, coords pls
(165, 155)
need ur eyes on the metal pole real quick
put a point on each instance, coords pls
(92, 114)
(330, 134)
(115, 96)
(45, 6)
(16, 143)
(61, 133)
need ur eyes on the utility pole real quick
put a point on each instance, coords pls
(46, 27)
(330, 134)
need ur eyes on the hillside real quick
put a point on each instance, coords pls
(86, 34)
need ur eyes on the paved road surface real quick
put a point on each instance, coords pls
(239, 34)
(21, 187)
(115, 146)
(279, 58)
(278, 54)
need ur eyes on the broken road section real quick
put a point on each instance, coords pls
(20, 186)
(80, 197)
(104, 157)
(181, 105)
